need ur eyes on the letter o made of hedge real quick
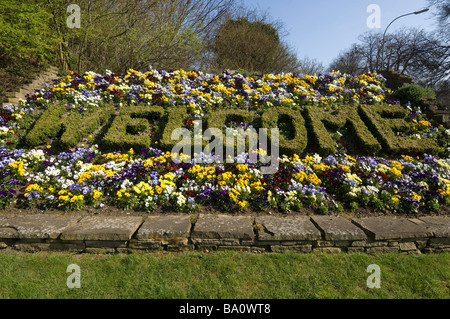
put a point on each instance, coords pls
(221, 117)
(292, 146)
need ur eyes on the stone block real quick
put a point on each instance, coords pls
(31, 247)
(412, 252)
(8, 232)
(365, 243)
(439, 225)
(297, 243)
(234, 248)
(327, 250)
(103, 228)
(299, 248)
(381, 250)
(442, 249)
(100, 251)
(267, 242)
(36, 226)
(223, 226)
(145, 244)
(338, 228)
(381, 228)
(392, 243)
(439, 241)
(221, 242)
(169, 229)
(106, 244)
(407, 246)
(355, 249)
(56, 245)
(421, 244)
(332, 243)
(299, 228)
(179, 247)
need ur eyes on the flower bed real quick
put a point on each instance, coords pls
(353, 108)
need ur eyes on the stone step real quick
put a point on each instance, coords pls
(25, 91)
(36, 84)
(14, 101)
(45, 79)
(441, 117)
(11, 95)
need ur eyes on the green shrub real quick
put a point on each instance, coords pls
(295, 137)
(126, 127)
(73, 127)
(76, 126)
(175, 120)
(384, 121)
(119, 137)
(219, 118)
(319, 119)
(26, 35)
(47, 126)
(414, 93)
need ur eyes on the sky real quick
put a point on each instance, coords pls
(321, 29)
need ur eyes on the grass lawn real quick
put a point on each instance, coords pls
(224, 275)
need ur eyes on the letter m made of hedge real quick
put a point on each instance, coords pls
(320, 120)
(71, 129)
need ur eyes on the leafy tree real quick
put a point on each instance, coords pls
(25, 37)
(253, 45)
(122, 34)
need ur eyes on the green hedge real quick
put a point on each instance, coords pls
(76, 126)
(374, 128)
(297, 144)
(48, 126)
(414, 93)
(124, 130)
(319, 119)
(219, 118)
(384, 121)
(175, 121)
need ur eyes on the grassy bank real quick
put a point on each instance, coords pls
(224, 275)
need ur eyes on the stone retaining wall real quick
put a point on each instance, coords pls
(128, 234)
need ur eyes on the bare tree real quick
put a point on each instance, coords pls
(349, 61)
(409, 51)
(442, 12)
(308, 65)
